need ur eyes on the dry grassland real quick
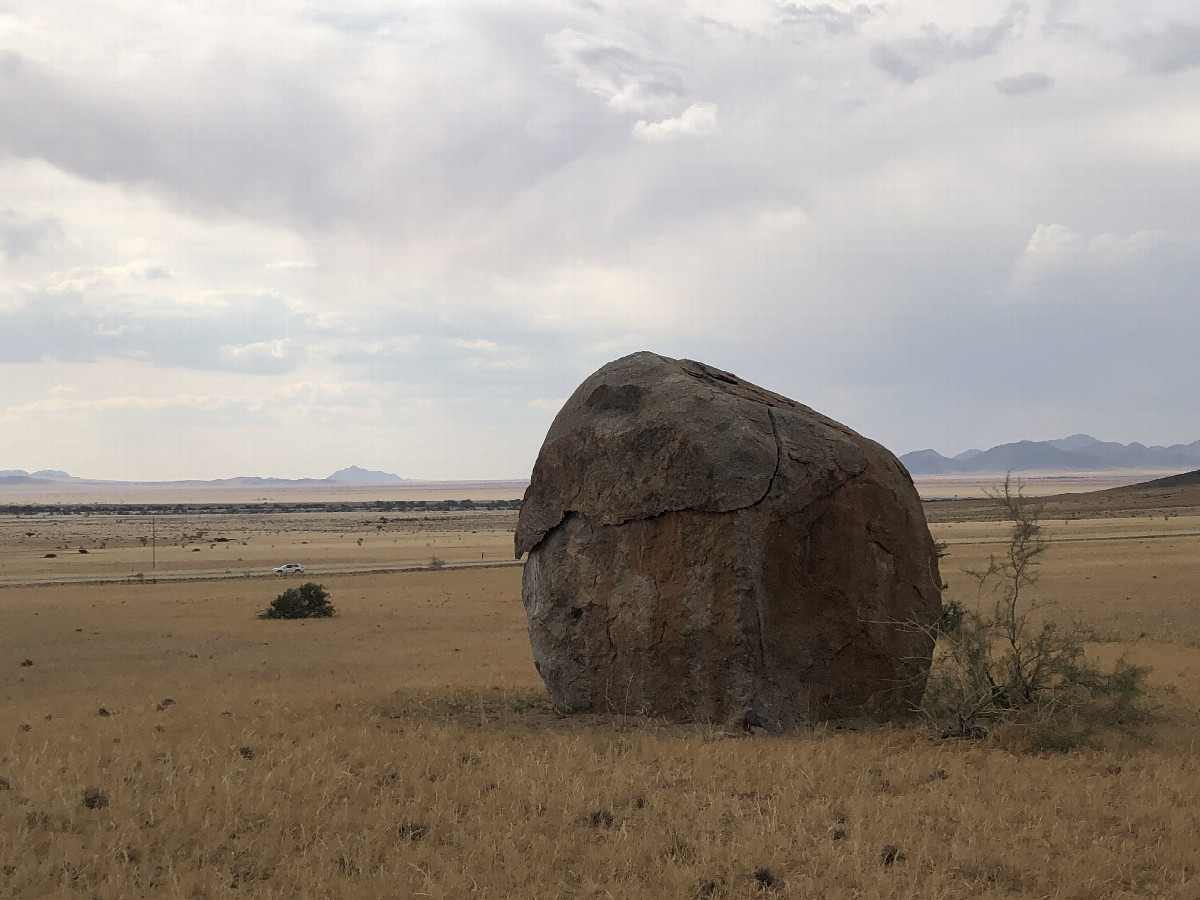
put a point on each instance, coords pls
(164, 742)
(108, 546)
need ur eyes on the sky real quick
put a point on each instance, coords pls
(281, 237)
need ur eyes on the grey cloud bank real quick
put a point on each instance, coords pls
(273, 237)
(1025, 83)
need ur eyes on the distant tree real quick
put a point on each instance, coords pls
(309, 601)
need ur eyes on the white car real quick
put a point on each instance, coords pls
(289, 569)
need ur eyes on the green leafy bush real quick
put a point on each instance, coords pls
(309, 601)
(1007, 668)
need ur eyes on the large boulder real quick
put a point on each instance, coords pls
(706, 550)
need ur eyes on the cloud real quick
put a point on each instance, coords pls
(1173, 47)
(286, 399)
(359, 17)
(260, 356)
(54, 407)
(479, 344)
(120, 136)
(234, 331)
(825, 18)
(20, 236)
(512, 363)
(1055, 253)
(1024, 84)
(1056, 24)
(290, 265)
(626, 79)
(328, 393)
(91, 277)
(697, 119)
(896, 63)
(908, 59)
(270, 137)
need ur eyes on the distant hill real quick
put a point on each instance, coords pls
(1183, 480)
(1077, 453)
(1175, 495)
(43, 476)
(355, 475)
(351, 475)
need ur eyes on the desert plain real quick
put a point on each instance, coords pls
(157, 739)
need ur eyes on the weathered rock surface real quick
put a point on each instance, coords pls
(705, 550)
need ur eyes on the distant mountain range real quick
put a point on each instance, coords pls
(351, 475)
(1077, 453)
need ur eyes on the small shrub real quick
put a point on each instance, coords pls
(436, 562)
(600, 818)
(764, 878)
(890, 855)
(309, 601)
(94, 798)
(1002, 669)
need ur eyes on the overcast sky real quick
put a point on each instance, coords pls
(279, 237)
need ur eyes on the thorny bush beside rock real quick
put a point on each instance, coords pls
(1007, 668)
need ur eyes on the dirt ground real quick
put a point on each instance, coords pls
(158, 740)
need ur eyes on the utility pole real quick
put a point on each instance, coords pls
(153, 543)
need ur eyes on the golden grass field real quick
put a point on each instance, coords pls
(164, 742)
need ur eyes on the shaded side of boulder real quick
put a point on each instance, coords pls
(706, 550)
